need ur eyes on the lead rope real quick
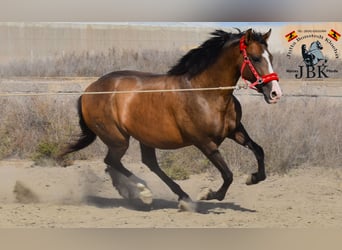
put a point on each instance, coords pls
(6, 94)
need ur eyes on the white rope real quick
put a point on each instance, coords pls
(115, 92)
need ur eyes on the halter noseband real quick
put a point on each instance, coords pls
(246, 61)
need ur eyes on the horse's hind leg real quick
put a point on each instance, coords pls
(241, 136)
(128, 185)
(149, 159)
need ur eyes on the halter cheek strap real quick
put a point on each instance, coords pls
(246, 61)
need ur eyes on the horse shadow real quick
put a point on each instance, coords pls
(203, 207)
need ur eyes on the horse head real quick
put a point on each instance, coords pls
(316, 45)
(259, 72)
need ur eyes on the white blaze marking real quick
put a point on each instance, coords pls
(275, 84)
(267, 58)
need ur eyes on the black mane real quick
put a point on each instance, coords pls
(200, 58)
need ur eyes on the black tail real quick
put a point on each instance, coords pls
(85, 138)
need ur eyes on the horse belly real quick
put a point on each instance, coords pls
(158, 132)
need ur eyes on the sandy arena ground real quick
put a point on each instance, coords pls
(81, 196)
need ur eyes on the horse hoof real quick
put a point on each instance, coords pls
(254, 179)
(187, 205)
(249, 180)
(145, 195)
(205, 194)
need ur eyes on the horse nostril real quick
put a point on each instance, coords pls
(273, 94)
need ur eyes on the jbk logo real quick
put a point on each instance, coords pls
(312, 57)
(312, 63)
(312, 72)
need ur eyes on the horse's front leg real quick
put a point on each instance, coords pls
(241, 136)
(212, 153)
(149, 158)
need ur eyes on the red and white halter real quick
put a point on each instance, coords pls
(246, 61)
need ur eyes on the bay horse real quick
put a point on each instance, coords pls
(150, 108)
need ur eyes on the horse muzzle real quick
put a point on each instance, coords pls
(273, 94)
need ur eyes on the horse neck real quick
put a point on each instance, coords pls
(223, 73)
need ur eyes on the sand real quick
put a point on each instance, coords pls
(82, 196)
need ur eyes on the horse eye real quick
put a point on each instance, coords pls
(256, 59)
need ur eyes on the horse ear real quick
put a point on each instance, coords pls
(267, 35)
(248, 36)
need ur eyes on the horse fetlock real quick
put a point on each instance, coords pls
(205, 194)
(145, 194)
(187, 205)
(220, 196)
(209, 194)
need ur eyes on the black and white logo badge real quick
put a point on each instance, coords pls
(311, 60)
